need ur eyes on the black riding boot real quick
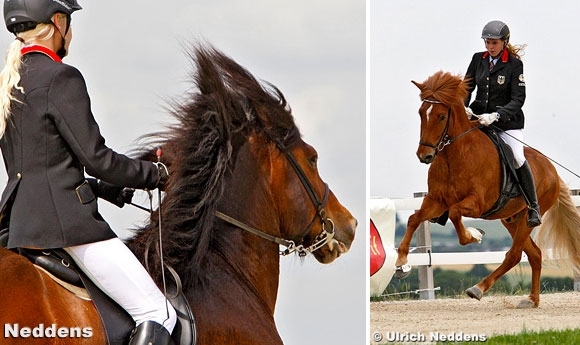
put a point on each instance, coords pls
(150, 333)
(529, 189)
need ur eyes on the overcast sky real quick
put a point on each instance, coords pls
(131, 55)
(411, 40)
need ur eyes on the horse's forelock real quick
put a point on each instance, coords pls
(445, 87)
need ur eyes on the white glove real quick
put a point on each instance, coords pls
(469, 112)
(488, 118)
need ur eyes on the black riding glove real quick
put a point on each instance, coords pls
(118, 196)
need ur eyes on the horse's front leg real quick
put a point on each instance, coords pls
(521, 241)
(467, 207)
(429, 210)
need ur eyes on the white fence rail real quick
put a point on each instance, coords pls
(425, 258)
(463, 258)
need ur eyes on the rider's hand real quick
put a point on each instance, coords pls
(163, 175)
(125, 197)
(469, 112)
(118, 196)
(488, 118)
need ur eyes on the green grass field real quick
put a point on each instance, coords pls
(567, 337)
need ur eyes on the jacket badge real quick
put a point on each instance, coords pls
(501, 79)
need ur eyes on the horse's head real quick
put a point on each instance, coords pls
(276, 170)
(442, 97)
(236, 154)
(434, 126)
(309, 212)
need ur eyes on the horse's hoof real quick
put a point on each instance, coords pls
(402, 272)
(526, 304)
(474, 292)
(476, 233)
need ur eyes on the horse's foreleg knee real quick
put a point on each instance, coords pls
(403, 249)
(465, 235)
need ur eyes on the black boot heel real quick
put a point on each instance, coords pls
(150, 333)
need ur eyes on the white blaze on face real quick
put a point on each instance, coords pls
(428, 112)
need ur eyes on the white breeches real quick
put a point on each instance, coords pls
(113, 268)
(514, 138)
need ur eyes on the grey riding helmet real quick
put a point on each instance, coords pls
(24, 15)
(496, 30)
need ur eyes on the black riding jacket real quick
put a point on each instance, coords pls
(51, 140)
(501, 90)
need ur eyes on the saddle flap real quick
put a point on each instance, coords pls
(53, 263)
(185, 332)
(117, 323)
(509, 185)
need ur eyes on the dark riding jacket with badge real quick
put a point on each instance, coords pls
(501, 90)
(51, 139)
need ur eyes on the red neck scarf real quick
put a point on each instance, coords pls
(35, 48)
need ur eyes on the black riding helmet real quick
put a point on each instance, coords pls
(496, 30)
(24, 15)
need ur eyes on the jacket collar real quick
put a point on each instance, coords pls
(504, 55)
(35, 48)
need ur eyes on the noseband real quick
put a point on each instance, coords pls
(444, 139)
(322, 239)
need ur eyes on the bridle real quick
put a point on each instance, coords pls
(322, 239)
(444, 139)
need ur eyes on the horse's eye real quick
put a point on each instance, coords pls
(442, 117)
(313, 161)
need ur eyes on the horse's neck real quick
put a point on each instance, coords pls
(239, 296)
(253, 265)
(254, 261)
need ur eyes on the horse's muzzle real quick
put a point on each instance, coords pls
(426, 158)
(426, 152)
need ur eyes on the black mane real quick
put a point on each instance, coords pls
(212, 121)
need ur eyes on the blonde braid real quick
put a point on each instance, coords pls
(9, 80)
(10, 74)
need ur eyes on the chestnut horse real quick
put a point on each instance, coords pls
(242, 183)
(464, 179)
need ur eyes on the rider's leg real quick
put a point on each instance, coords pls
(527, 182)
(514, 138)
(114, 269)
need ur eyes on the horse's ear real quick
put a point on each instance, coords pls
(419, 85)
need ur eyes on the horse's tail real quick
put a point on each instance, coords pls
(560, 229)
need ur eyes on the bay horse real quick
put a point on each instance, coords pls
(242, 184)
(464, 180)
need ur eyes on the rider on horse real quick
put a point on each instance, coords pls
(498, 74)
(49, 138)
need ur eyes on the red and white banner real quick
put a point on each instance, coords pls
(382, 249)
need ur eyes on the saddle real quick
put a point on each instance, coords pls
(509, 184)
(117, 322)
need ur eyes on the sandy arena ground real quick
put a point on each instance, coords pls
(492, 315)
